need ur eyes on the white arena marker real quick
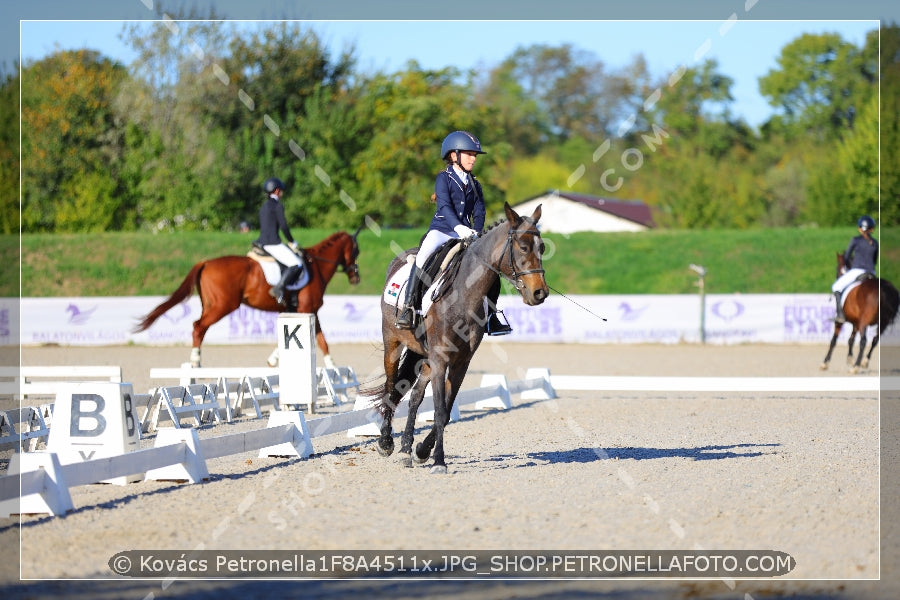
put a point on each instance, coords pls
(502, 400)
(95, 420)
(297, 379)
(53, 499)
(545, 392)
(193, 469)
(300, 445)
(373, 427)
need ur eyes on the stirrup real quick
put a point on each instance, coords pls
(497, 327)
(406, 319)
(277, 294)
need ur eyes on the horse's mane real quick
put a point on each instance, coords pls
(330, 240)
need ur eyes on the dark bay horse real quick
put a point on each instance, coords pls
(873, 302)
(225, 283)
(440, 349)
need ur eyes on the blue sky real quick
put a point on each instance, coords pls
(745, 49)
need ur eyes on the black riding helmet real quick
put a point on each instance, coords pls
(460, 141)
(272, 184)
(866, 223)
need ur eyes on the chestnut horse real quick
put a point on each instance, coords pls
(873, 302)
(440, 349)
(225, 283)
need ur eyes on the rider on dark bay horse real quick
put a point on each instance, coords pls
(859, 259)
(271, 221)
(460, 214)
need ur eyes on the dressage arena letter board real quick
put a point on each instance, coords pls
(94, 420)
(297, 359)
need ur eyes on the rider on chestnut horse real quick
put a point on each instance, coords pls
(859, 261)
(271, 221)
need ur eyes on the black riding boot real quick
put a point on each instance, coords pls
(839, 310)
(288, 276)
(495, 326)
(407, 317)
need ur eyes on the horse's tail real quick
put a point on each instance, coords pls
(178, 296)
(404, 379)
(890, 304)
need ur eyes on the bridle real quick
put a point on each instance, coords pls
(517, 275)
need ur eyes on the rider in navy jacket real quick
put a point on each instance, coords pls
(859, 259)
(460, 213)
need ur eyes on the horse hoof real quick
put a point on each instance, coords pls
(854, 370)
(419, 458)
(865, 364)
(405, 459)
(438, 470)
(823, 367)
(385, 448)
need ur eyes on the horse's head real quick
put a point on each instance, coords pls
(350, 254)
(525, 248)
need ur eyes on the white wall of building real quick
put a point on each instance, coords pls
(560, 215)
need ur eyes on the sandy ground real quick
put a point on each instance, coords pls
(792, 472)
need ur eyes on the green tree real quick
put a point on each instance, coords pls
(889, 120)
(9, 154)
(70, 139)
(820, 82)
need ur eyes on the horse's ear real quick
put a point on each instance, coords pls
(511, 215)
(536, 215)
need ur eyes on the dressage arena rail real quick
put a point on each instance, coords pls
(41, 484)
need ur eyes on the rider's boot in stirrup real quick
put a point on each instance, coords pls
(277, 290)
(496, 326)
(407, 317)
(839, 310)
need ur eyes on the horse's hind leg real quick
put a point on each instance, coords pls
(417, 394)
(850, 343)
(862, 350)
(865, 363)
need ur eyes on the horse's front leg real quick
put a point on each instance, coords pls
(323, 346)
(824, 365)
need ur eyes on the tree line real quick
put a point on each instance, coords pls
(183, 137)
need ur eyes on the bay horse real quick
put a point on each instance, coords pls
(873, 302)
(226, 282)
(440, 349)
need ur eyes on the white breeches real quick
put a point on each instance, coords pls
(433, 240)
(846, 279)
(283, 254)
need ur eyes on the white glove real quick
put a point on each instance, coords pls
(293, 246)
(463, 231)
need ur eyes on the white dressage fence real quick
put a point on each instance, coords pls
(39, 482)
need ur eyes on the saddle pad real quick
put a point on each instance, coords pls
(272, 270)
(847, 289)
(395, 289)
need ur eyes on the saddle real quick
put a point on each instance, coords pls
(444, 260)
(273, 269)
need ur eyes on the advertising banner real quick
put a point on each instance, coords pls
(666, 319)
